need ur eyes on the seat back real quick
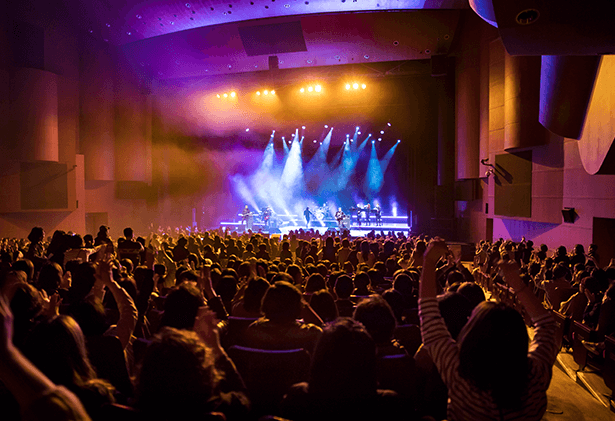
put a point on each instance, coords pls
(563, 328)
(580, 333)
(398, 373)
(269, 374)
(608, 369)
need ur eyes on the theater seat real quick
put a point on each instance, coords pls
(608, 369)
(398, 373)
(563, 329)
(269, 374)
(581, 333)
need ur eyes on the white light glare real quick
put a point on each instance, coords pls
(247, 130)
(381, 131)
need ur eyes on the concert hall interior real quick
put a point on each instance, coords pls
(167, 113)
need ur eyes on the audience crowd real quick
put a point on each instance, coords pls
(224, 325)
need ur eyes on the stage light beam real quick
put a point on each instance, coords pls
(318, 88)
(347, 87)
(355, 86)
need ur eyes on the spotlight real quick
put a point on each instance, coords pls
(358, 133)
(225, 95)
(266, 92)
(373, 141)
(233, 94)
(321, 143)
(398, 140)
(247, 130)
(258, 93)
(326, 127)
(310, 89)
(356, 128)
(355, 85)
(283, 138)
(314, 140)
(363, 86)
(318, 88)
(379, 139)
(302, 90)
(347, 87)
(218, 95)
(274, 131)
(389, 124)
(347, 135)
(272, 92)
(303, 127)
(381, 131)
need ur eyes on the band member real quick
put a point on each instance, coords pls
(378, 213)
(339, 216)
(307, 213)
(368, 210)
(267, 212)
(244, 214)
(359, 210)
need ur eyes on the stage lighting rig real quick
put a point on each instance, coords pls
(311, 89)
(355, 86)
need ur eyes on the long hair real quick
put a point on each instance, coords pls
(344, 362)
(493, 348)
(57, 347)
(176, 377)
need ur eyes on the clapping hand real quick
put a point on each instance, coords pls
(435, 250)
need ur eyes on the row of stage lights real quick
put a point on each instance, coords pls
(308, 89)
(355, 86)
(233, 94)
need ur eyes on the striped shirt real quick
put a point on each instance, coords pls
(467, 402)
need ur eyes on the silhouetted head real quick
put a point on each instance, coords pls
(282, 302)
(495, 333)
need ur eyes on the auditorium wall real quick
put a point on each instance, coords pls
(558, 177)
(45, 53)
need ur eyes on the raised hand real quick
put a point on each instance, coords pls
(435, 250)
(206, 326)
(510, 271)
(6, 325)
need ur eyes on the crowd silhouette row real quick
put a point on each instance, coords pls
(304, 326)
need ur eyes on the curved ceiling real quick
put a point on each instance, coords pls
(124, 21)
(308, 41)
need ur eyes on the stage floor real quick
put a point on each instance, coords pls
(355, 231)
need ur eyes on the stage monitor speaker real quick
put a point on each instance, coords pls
(438, 65)
(570, 215)
(274, 63)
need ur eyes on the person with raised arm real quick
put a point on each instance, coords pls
(38, 397)
(490, 372)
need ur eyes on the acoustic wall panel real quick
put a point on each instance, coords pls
(513, 184)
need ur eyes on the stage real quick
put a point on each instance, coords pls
(283, 224)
